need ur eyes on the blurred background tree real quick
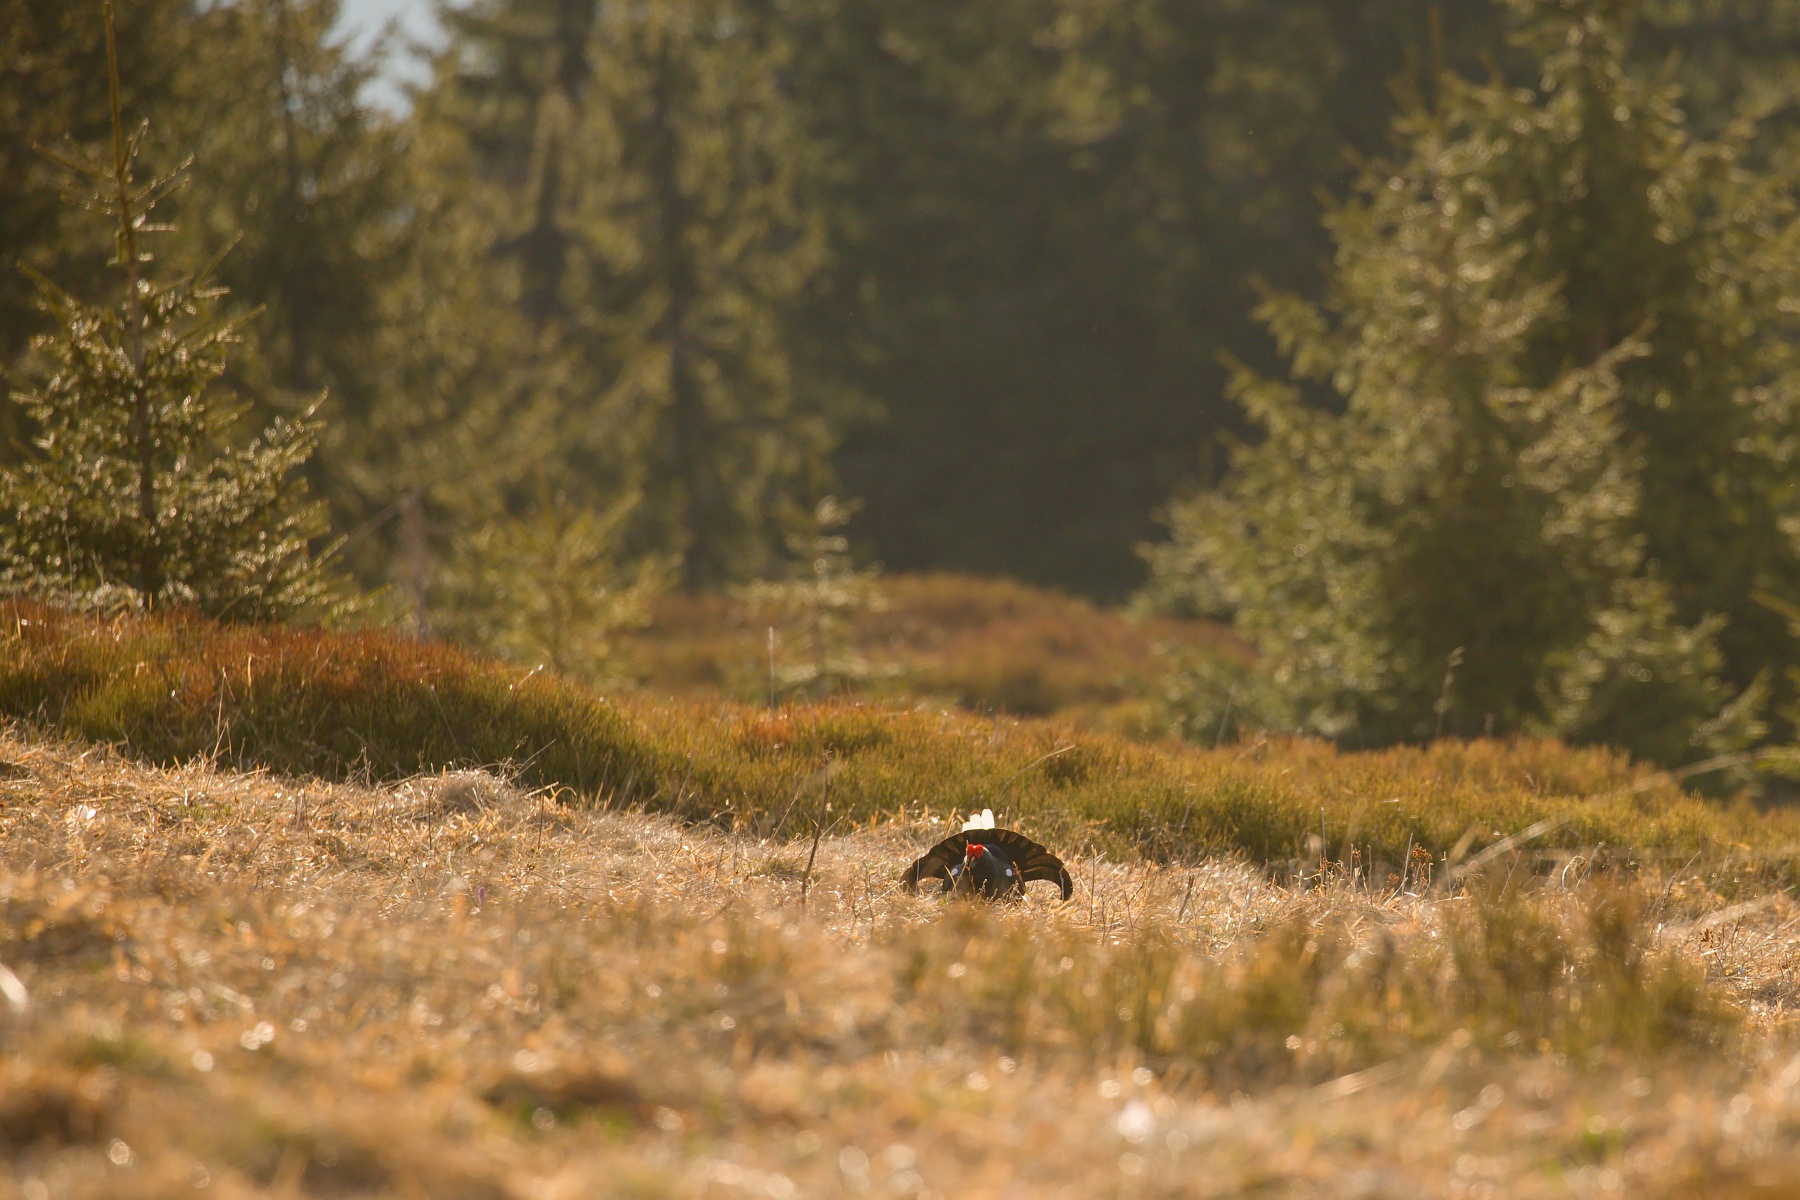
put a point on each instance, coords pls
(550, 587)
(133, 493)
(653, 179)
(52, 91)
(313, 185)
(984, 267)
(1048, 217)
(984, 261)
(817, 603)
(1560, 334)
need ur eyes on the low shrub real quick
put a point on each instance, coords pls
(307, 702)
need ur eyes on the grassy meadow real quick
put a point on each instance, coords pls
(293, 913)
(378, 707)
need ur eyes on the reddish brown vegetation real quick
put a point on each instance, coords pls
(983, 644)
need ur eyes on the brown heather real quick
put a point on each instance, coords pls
(988, 645)
(239, 974)
(374, 706)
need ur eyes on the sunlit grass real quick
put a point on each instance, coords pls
(453, 987)
(374, 706)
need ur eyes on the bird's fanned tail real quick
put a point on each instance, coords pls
(1033, 860)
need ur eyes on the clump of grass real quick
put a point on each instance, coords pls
(1310, 1000)
(50, 1105)
(308, 702)
(377, 706)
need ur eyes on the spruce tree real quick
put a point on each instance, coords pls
(551, 586)
(53, 88)
(1695, 242)
(139, 493)
(1550, 365)
(821, 597)
(651, 171)
(314, 186)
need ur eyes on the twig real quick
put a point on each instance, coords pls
(1500, 847)
(1093, 885)
(995, 795)
(1188, 895)
(525, 678)
(792, 800)
(219, 718)
(1230, 699)
(13, 990)
(455, 742)
(1673, 880)
(818, 832)
(1736, 912)
(1743, 758)
(1443, 703)
(1349, 1085)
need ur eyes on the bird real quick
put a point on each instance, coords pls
(988, 862)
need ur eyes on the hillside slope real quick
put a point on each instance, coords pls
(377, 706)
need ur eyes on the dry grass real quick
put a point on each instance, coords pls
(376, 706)
(448, 987)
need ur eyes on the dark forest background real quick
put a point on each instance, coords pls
(630, 292)
(1014, 237)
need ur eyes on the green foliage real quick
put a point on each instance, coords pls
(1052, 212)
(54, 89)
(1049, 213)
(1498, 525)
(99, 521)
(549, 587)
(648, 173)
(982, 644)
(822, 600)
(313, 189)
(1025, 229)
(463, 424)
(137, 495)
(1695, 242)
(1212, 699)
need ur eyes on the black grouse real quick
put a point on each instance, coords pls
(989, 863)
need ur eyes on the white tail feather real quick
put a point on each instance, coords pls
(981, 820)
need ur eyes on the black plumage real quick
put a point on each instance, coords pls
(1001, 864)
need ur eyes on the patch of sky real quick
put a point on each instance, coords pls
(414, 28)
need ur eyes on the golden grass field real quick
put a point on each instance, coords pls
(370, 705)
(294, 914)
(224, 983)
